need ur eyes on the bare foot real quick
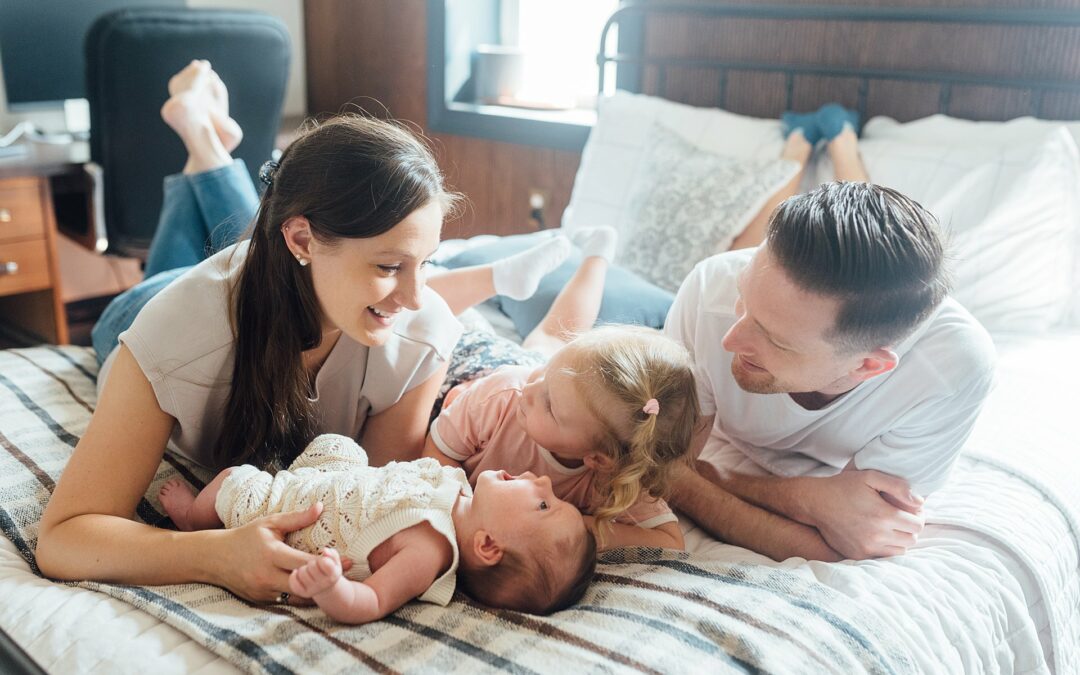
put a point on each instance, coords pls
(189, 117)
(192, 76)
(198, 111)
(177, 498)
(228, 130)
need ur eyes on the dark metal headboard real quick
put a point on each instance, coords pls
(1023, 76)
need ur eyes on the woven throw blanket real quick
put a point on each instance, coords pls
(648, 611)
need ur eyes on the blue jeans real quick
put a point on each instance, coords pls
(200, 215)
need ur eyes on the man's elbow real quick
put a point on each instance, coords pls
(47, 556)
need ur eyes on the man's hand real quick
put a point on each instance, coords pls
(863, 514)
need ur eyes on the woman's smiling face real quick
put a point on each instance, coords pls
(363, 284)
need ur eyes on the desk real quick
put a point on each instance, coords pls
(30, 295)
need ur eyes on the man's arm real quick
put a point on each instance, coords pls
(861, 514)
(733, 520)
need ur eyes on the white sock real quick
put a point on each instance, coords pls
(599, 241)
(518, 276)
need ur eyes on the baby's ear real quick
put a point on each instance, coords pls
(598, 461)
(487, 550)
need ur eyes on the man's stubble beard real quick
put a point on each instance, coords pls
(765, 384)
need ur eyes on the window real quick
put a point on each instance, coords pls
(521, 71)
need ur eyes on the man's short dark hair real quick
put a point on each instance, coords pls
(880, 253)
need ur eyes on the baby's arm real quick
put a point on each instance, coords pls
(666, 535)
(404, 576)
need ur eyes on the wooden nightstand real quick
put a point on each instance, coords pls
(30, 294)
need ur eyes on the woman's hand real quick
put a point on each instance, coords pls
(255, 562)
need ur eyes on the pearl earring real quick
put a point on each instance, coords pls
(302, 261)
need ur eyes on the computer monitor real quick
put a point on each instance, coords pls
(41, 47)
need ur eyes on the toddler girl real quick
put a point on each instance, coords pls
(606, 417)
(410, 528)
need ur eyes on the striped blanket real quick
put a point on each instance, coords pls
(648, 610)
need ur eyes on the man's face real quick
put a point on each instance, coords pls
(781, 339)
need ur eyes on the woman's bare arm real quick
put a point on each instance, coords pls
(398, 432)
(87, 531)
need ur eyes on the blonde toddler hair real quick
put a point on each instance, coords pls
(619, 369)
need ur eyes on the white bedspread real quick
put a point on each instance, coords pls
(993, 586)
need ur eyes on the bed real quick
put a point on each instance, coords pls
(992, 586)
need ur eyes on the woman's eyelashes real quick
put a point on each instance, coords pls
(391, 270)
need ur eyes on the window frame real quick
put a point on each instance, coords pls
(560, 130)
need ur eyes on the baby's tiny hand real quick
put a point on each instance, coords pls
(317, 576)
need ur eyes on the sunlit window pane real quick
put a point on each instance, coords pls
(559, 40)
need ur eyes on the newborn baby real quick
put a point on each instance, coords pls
(410, 528)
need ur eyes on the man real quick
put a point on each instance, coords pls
(837, 380)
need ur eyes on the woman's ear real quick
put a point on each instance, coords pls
(598, 461)
(487, 550)
(297, 234)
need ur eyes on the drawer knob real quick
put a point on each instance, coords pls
(5, 216)
(9, 268)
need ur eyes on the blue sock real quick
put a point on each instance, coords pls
(832, 117)
(807, 122)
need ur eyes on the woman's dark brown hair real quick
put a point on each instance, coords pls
(351, 177)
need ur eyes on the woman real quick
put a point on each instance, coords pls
(321, 323)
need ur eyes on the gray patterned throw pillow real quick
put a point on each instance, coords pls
(688, 203)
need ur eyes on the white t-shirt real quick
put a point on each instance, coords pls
(910, 422)
(183, 342)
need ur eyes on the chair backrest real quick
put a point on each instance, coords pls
(130, 55)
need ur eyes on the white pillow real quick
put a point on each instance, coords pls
(612, 158)
(955, 131)
(688, 203)
(1010, 213)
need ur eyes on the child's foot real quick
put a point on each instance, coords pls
(805, 123)
(518, 276)
(177, 498)
(833, 118)
(598, 241)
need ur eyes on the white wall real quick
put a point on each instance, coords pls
(289, 11)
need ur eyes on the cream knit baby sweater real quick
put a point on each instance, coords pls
(362, 505)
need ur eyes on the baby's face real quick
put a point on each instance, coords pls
(524, 508)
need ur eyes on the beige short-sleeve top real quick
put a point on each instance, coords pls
(182, 339)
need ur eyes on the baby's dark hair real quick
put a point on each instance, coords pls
(530, 583)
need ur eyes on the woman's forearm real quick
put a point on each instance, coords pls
(113, 549)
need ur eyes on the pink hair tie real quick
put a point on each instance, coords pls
(652, 407)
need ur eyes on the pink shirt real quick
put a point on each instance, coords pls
(482, 430)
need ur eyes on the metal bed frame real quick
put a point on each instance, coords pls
(634, 14)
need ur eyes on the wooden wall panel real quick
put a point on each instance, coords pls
(373, 53)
